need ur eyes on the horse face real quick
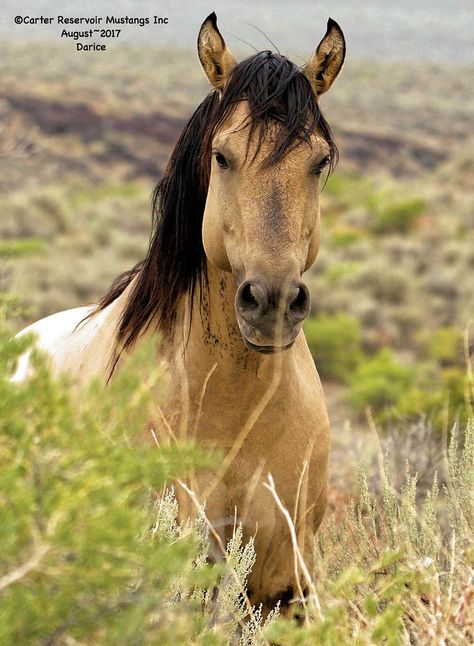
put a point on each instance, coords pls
(262, 224)
(261, 220)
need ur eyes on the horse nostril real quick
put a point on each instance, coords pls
(251, 298)
(247, 298)
(299, 302)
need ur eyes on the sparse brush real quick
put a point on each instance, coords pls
(398, 571)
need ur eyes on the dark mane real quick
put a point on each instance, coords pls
(276, 90)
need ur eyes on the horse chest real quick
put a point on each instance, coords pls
(254, 437)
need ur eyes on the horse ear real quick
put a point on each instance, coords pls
(326, 62)
(214, 55)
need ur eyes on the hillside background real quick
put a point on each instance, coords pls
(85, 137)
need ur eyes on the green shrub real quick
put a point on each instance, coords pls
(391, 389)
(379, 383)
(22, 247)
(104, 192)
(75, 508)
(449, 399)
(347, 189)
(446, 346)
(398, 216)
(345, 236)
(335, 273)
(335, 343)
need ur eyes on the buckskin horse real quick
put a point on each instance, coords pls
(236, 224)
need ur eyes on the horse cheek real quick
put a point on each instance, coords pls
(313, 249)
(214, 246)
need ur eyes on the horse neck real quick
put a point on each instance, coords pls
(212, 329)
(212, 336)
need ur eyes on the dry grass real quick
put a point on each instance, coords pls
(391, 567)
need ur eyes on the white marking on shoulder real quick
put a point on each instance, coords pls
(51, 332)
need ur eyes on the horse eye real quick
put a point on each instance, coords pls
(221, 161)
(317, 170)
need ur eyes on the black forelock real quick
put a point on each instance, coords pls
(276, 91)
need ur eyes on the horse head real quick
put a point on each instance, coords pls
(265, 149)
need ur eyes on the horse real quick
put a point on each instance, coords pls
(236, 224)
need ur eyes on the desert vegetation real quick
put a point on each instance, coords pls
(89, 553)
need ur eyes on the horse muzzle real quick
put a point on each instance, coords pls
(269, 316)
